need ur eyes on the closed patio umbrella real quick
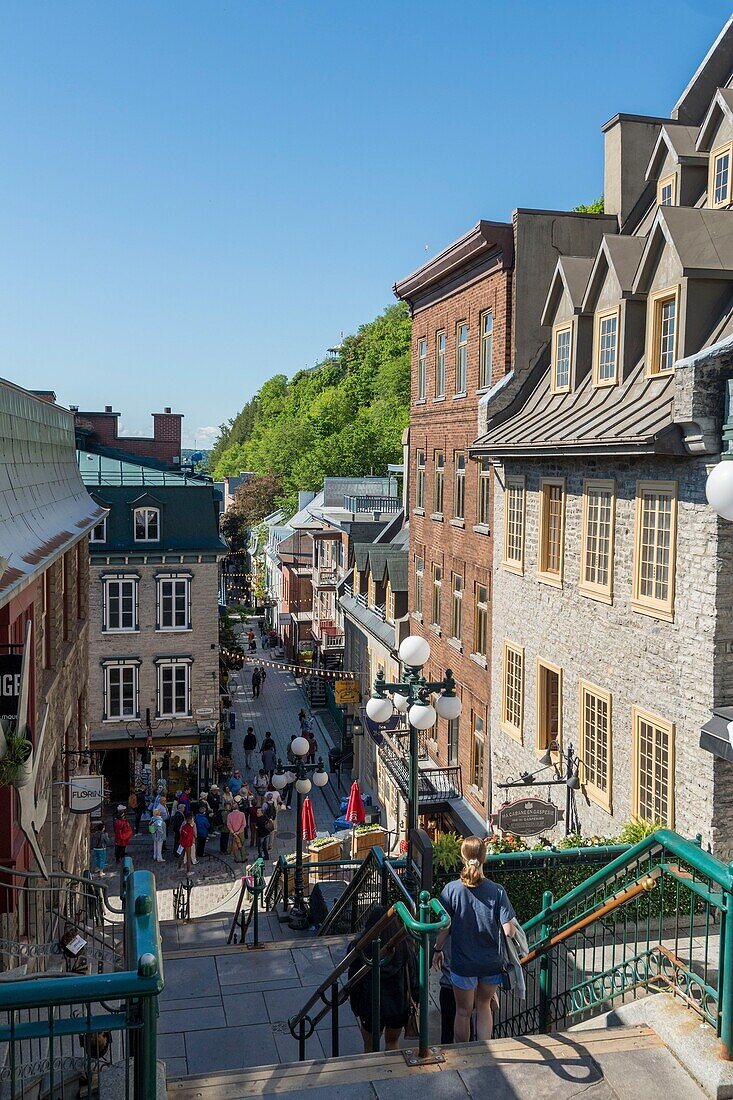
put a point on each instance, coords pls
(308, 820)
(355, 812)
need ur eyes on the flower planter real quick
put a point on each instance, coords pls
(323, 853)
(362, 842)
(291, 878)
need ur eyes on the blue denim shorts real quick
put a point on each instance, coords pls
(470, 983)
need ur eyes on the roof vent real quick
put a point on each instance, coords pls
(108, 408)
(167, 409)
(74, 408)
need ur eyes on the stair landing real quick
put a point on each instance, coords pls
(624, 1064)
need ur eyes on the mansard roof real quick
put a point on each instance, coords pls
(619, 254)
(701, 239)
(678, 140)
(571, 275)
(721, 107)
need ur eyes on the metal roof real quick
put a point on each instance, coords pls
(97, 469)
(44, 507)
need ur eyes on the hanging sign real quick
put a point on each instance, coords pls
(346, 692)
(10, 671)
(527, 817)
(86, 793)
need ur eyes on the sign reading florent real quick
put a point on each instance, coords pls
(346, 692)
(86, 793)
(10, 669)
(527, 817)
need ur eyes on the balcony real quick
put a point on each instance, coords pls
(381, 505)
(435, 785)
(376, 609)
(328, 634)
(325, 576)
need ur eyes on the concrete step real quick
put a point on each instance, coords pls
(217, 949)
(624, 1063)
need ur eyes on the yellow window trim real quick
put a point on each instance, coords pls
(601, 316)
(671, 179)
(604, 799)
(565, 326)
(639, 714)
(602, 593)
(654, 325)
(515, 732)
(657, 609)
(554, 579)
(511, 564)
(714, 156)
(539, 747)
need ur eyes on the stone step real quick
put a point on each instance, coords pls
(300, 943)
(625, 1063)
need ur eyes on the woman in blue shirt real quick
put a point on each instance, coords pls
(479, 909)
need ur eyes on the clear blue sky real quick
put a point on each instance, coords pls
(196, 195)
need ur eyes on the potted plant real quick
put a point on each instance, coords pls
(365, 837)
(16, 766)
(322, 850)
(447, 853)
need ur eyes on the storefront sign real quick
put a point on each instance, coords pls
(527, 817)
(346, 692)
(10, 670)
(86, 793)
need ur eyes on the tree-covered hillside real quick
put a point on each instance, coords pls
(345, 416)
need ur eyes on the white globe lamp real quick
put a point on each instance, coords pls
(300, 746)
(422, 716)
(719, 489)
(279, 780)
(414, 651)
(448, 706)
(379, 709)
(302, 786)
(320, 777)
(401, 702)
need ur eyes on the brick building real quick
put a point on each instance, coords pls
(612, 621)
(45, 517)
(99, 432)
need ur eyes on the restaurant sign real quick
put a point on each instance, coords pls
(11, 665)
(527, 817)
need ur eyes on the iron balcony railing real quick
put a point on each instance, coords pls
(390, 505)
(325, 576)
(434, 784)
(376, 609)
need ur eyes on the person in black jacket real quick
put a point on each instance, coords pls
(398, 973)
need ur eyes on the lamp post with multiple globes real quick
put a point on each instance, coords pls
(301, 776)
(411, 696)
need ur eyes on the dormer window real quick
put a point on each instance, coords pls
(98, 533)
(605, 359)
(719, 183)
(147, 524)
(562, 347)
(667, 191)
(662, 331)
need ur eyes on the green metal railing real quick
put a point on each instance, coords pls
(92, 1033)
(658, 917)
(253, 886)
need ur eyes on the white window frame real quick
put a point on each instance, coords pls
(514, 564)
(478, 751)
(419, 585)
(716, 155)
(486, 354)
(120, 667)
(558, 331)
(173, 579)
(667, 183)
(481, 611)
(454, 733)
(459, 485)
(438, 480)
(601, 797)
(656, 304)
(422, 368)
(590, 588)
(148, 513)
(639, 715)
(461, 380)
(123, 579)
(440, 350)
(176, 664)
(436, 596)
(456, 611)
(93, 537)
(420, 481)
(516, 732)
(601, 316)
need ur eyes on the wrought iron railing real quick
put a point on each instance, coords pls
(378, 881)
(91, 1034)
(658, 917)
(434, 784)
(280, 887)
(391, 505)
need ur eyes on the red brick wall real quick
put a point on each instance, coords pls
(165, 444)
(450, 425)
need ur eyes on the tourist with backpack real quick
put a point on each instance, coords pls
(123, 832)
(157, 831)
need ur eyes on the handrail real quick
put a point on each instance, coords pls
(390, 872)
(663, 839)
(418, 927)
(368, 865)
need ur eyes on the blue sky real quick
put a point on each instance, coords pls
(194, 196)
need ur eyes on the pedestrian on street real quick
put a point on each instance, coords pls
(398, 972)
(177, 821)
(272, 804)
(256, 681)
(237, 826)
(477, 907)
(165, 815)
(264, 825)
(140, 806)
(292, 762)
(100, 840)
(269, 758)
(184, 800)
(215, 803)
(157, 831)
(312, 747)
(123, 832)
(261, 784)
(186, 843)
(203, 828)
(236, 783)
(263, 677)
(250, 744)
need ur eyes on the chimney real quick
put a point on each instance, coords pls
(108, 408)
(629, 141)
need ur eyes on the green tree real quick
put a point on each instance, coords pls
(255, 498)
(595, 207)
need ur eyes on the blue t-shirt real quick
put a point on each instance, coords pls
(203, 825)
(235, 785)
(476, 915)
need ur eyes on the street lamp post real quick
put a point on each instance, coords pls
(299, 918)
(410, 696)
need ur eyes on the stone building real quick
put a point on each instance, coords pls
(45, 518)
(154, 640)
(612, 620)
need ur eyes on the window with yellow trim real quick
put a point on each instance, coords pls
(478, 752)
(667, 191)
(597, 539)
(653, 791)
(440, 364)
(549, 707)
(562, 353)
(605, 358)
(514, 499)
(512, 695)
(551, 530)
(719, 183)
(461, 357)
(595, 743)
(655, 533)
(662, 325)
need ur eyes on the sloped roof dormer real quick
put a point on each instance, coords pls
(570, 277)
(720, 108)
(680, 143)
(701, 240)
(619, 255)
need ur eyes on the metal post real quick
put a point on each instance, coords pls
(725, 986)
(545, 970)
(255, 915)
(301, 1041)
(568, 796)
(376, 993)
(412, 803)
(424, 973)
(299, 914)
(335, 1020)
(146, 1053)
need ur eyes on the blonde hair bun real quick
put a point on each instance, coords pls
(473, 854)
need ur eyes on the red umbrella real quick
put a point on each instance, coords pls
(355, 810)
(309, 820)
